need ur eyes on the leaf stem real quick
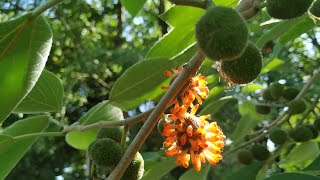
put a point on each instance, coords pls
(42, 134)
(39, 10)
(124, 136)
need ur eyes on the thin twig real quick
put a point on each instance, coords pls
(273, 124)
(311, 109)
(39, 10)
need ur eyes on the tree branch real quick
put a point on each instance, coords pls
(39, 10)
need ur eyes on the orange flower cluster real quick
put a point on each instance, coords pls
(187, 135)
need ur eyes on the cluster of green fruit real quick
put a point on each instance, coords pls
(105, 152)
(301, 133)
(277, 91)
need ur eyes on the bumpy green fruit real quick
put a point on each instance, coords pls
(278, 136)
(245, 157)
(244, 69)
(222, 34)
(105, 152)
(267, 95)
(314, 131)
(315, 9)
(276, 90)
(135, 170)
(112, 133)
(260, 152)
(287, 9)
(301, 134)
(297, 106)
(316, 124)
(290, 93)
(263, 109)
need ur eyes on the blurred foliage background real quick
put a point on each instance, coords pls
(95, 41)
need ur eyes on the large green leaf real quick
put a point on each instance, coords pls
(314, 166)
(193, 174)
(183, 20)
(230, 3)
(249, 119)
(5, 140)
(46, 95)
(250, 88)
(302, 155)
(12, 153)
(292, 176)
(214, 106)
(272, 65)
(103, 111)
(133, 6)
(24, 49)
(159, 168)
(246, 173)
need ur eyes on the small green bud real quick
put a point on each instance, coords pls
(260, 152)
(276, 90)
(301, 134)
(245, 157)
(297, 106)
(278, 136)
(290, 93)
(287, 9)
(135, 170)
(112, 133)
(263, 109)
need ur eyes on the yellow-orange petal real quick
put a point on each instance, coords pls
(189, 131)
(168, 73)
(183, 139)
(195, 160)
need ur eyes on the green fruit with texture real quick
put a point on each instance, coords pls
(260, 152)
(314, 131)
(135, 170)
(276, 90)
(301, 134)
(287, 9)
(267, 95)
(244, 69)
(278, 136)
(245, 157)
(222, 33)
(263, 109)
(315, 9)
(297, 106)
(290, 93)
(105, 152)
(316, 124)
(112, 133)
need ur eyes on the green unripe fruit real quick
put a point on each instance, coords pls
(276, 90)
(245, 157)
(244, 69)
(301, 134)
(135, 170)
(222, 34)
(316, 124)
(290, 93)
(105, 152)
(315, 9)
(278, 136)
(314, 131)
(263, 109)
(267, 95)
(112, 133)
(260, 152)
(287, 9)
(297, 106)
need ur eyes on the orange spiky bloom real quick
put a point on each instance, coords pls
(192, 137)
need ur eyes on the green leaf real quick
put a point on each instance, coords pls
(215, 106)
(159, 168)
(292, 176)
(5, 140)
(214, 94)
(249, 119)
(11, 154)
(246, 173)
(24, 49)
(103, 111)
(193, 174)
(304, 24)
(302, 155)
(276, 31)
(46, 95)
(250, 88)
(272, 65)
(182, 36)
(314, 166)
(230, 3)
(133, 6)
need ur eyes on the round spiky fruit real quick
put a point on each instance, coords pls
(135, 170)
(105, 152)
(297, 106)
(263, 109)
(260, 152)
(315, 9)
(314, 131)
(267, 95)
(222, 34)
(276, 90)
(316, 124)
(112, 133)
(290, 93)
(301, 134)
(244, 69)
(287, 9)
(278, 136)
(245, 157)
